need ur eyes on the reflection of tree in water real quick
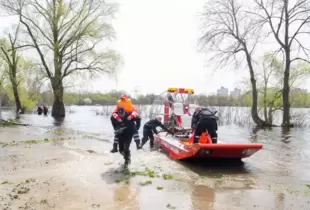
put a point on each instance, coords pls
(279, 203)
(203, 198)
(125, 199)
(255, 133)
(286, 135)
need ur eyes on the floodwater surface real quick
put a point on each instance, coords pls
(67, 165)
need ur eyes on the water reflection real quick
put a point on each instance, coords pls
(215, 167)
(59, 121)
(203, 198)
(279, 202)
(125, 199)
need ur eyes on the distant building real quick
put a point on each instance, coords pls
(222, 91)
(235, 93)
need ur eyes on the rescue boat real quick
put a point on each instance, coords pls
(177, 105)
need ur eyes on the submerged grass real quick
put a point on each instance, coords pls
(167, 176)
(159, 188)
(281, 188)
(6, 182)
(147, 172)
(148, 182)
(37, 141)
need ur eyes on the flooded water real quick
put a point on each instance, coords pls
(78, 171)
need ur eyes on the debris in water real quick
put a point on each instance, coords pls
(44, 201)
(169, 206)
(148, 182)
(159, 188)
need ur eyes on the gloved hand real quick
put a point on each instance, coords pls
(129, 118)
(119, 120)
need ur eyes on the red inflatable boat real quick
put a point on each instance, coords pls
(182, 149)
(177, 105)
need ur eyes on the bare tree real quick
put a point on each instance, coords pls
(288, 24)
(231, 35)
(9, 53)
(34, 80)
(66, 35)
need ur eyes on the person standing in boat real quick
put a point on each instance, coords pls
(124, 131)
(150, 127)
(127, 105)
(204, 119)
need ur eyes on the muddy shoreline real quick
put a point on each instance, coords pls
(62, 170)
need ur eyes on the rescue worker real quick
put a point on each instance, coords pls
(150, 127)
(204, 119)
(39, 110)
(194, 118)
(124, 132)
(115, 124)
(125, 102)
(45, 110)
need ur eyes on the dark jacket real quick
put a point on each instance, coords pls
(203, 113)
(116, 125)
(152, 124)
(39, 109)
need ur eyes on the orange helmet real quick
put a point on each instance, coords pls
(123, 96)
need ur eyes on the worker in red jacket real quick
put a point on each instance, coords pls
(132, 114)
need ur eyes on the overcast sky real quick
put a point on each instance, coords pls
(158, 40)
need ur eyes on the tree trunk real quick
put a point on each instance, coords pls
(270, 115)
(286, 86)
(254, 111)
(265, 103)
(286, 95)
(15, 91)
(58, 109)
(16, 98)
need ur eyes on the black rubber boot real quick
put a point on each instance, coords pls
(138, 144)
(143, 142)
(114, 148)
(127, 158)
(152, 144)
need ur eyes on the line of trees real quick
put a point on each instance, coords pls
(65, 36)
(269, 99)
(233, 31)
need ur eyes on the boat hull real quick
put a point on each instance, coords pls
(178, 149)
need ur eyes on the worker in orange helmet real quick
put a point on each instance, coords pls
(126, 103)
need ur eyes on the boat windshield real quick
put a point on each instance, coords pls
(183, 98)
